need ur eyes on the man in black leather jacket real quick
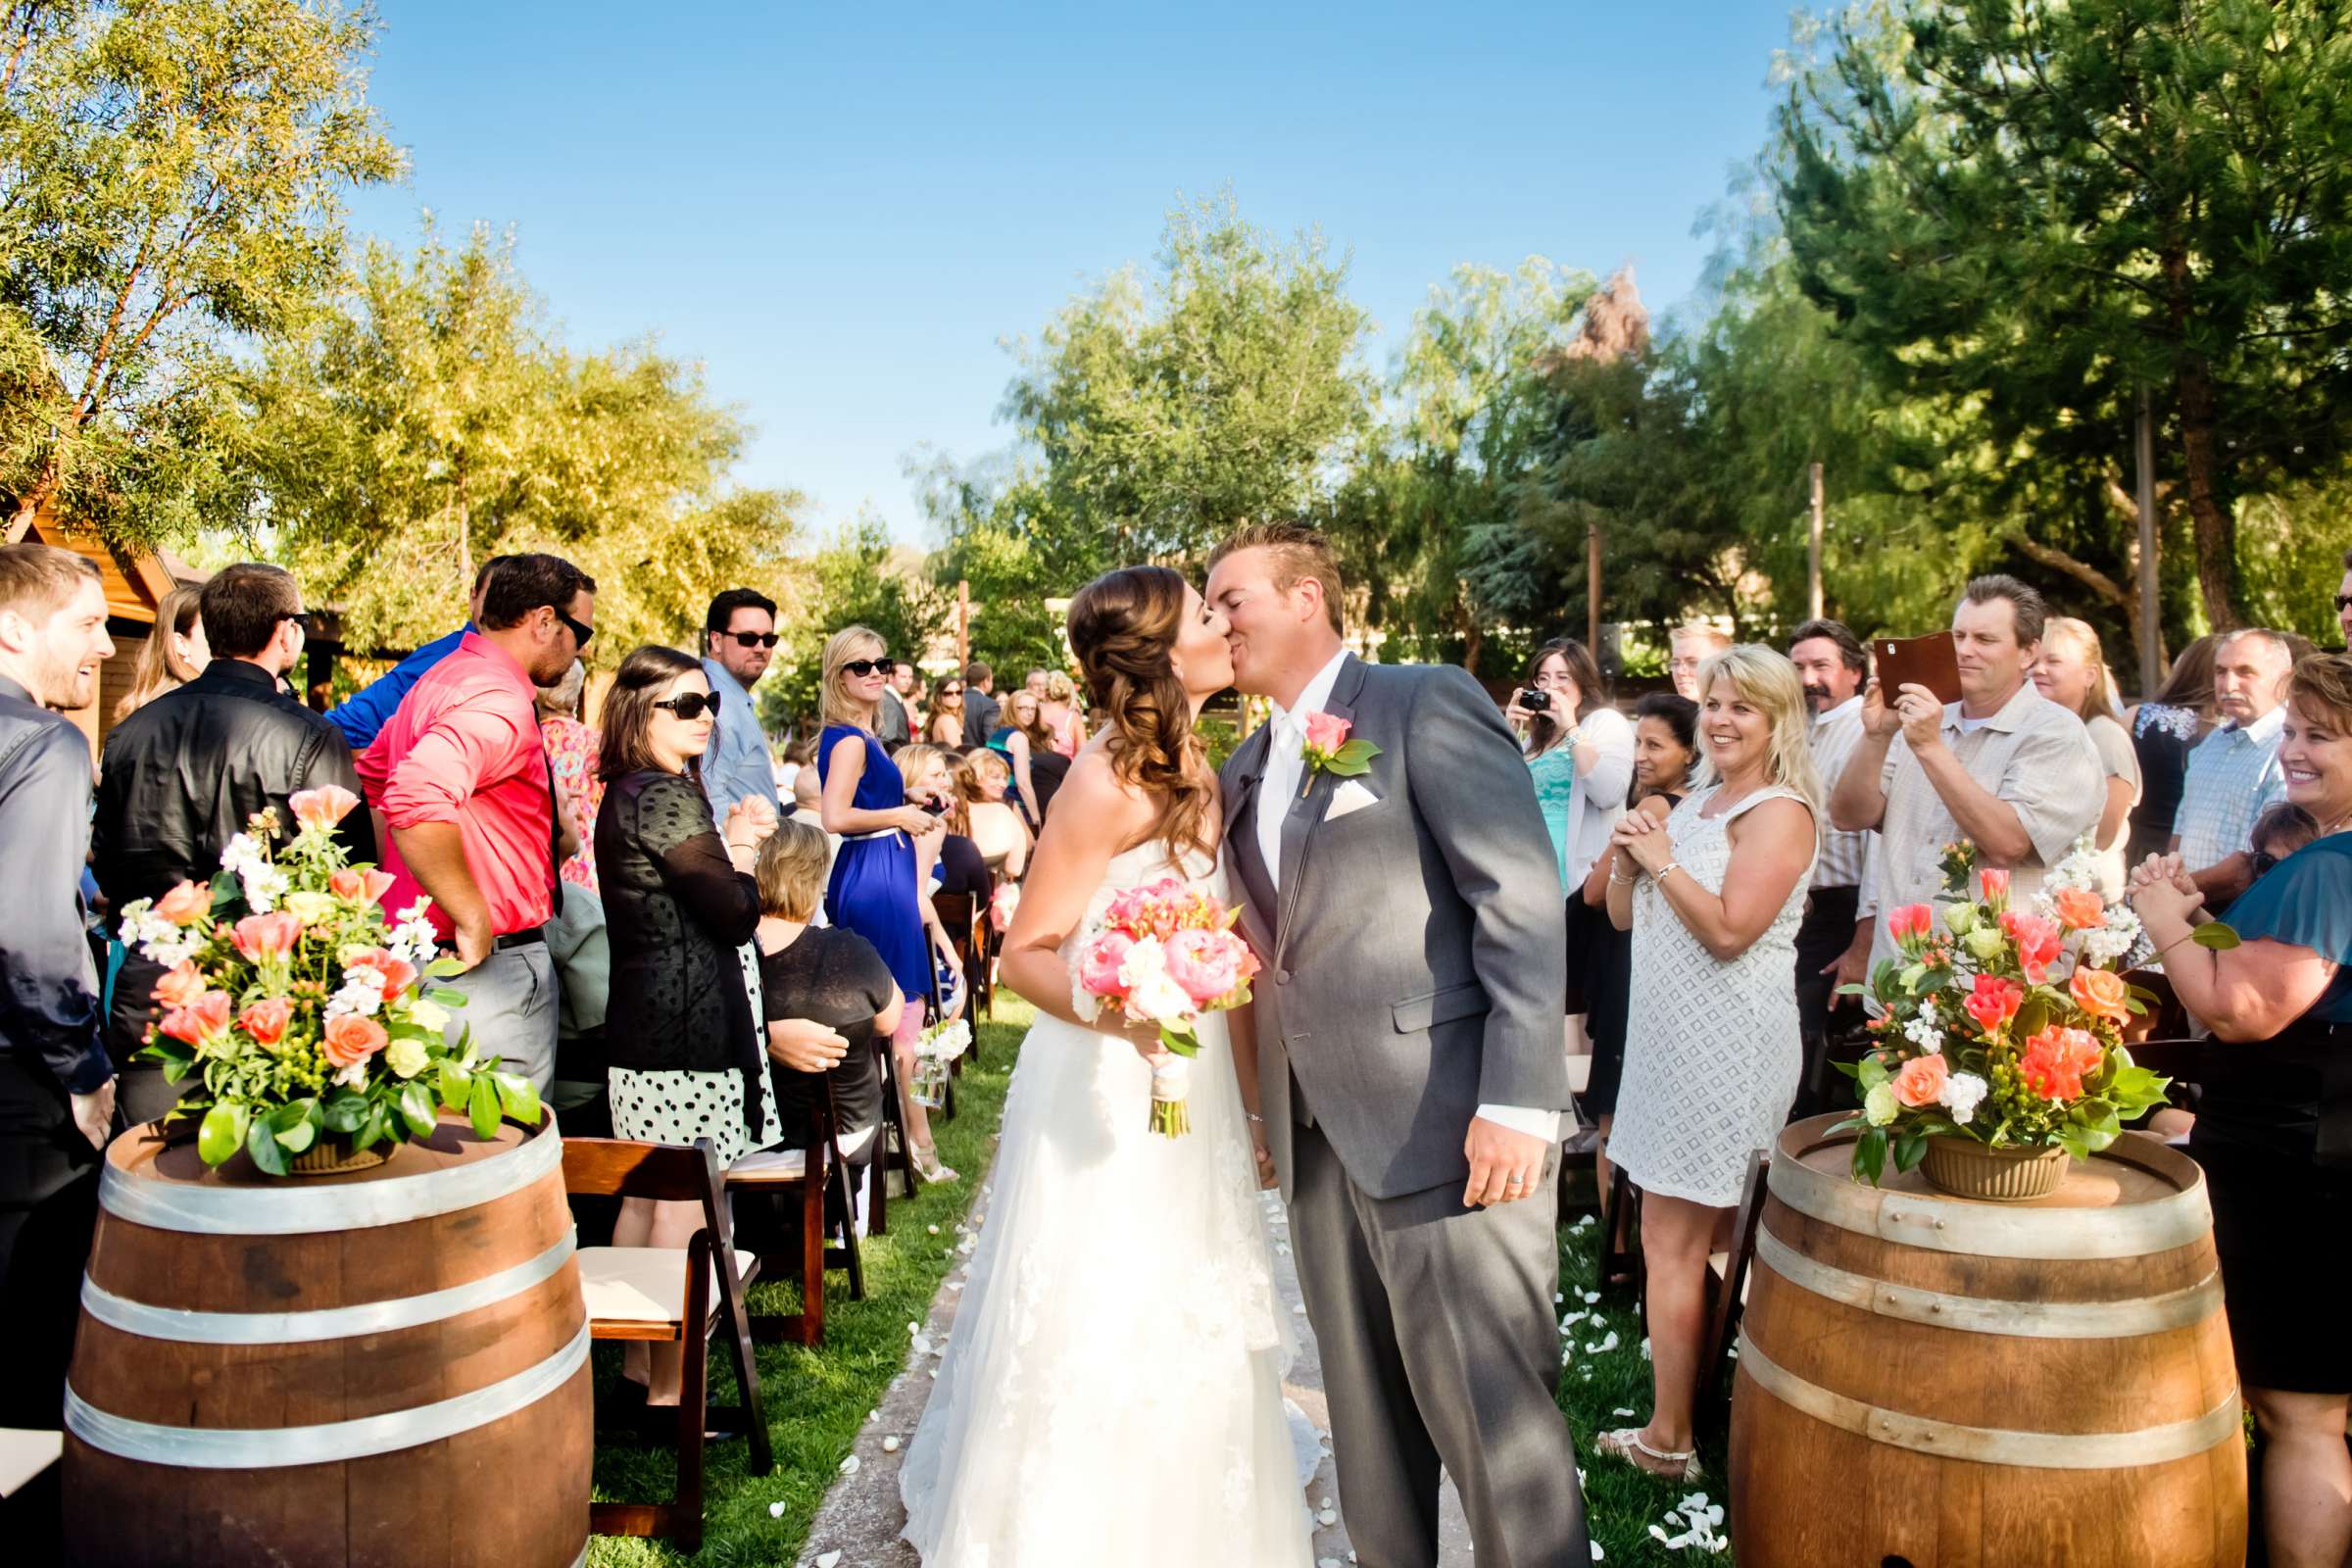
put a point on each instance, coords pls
(182, 775)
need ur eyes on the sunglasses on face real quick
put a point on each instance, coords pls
(752, 639)
(579, 634)
(863, 667)
(2343, 602)
(691, 706)
(300, 618)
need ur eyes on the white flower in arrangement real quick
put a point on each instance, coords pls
(947, 1042)
(1962, 1094)
(1152, 992)
(1922, 1030)
(2117, 939)
(264, 883)
(2079, 869)
(362, 994)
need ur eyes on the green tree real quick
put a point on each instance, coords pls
(2032, 214)
(172, 180)
(430, 421)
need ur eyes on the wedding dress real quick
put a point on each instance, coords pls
(1111, 1391)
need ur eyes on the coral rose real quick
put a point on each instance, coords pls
(2038, 943)
(322, 809)
(205, 1019)
(396, 975)
(2102, 994)
(1994, 1002)
(180, 985)
(1325, 732)
(265, 1020)
(1921, 1081)
(1909, 923)
(1996, 885)
(2056, 1060)
(358, 884)
(352, 1040)
(262, 937)
(186, 903)
(2078, 908)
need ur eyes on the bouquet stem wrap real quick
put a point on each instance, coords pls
(1171, 1093)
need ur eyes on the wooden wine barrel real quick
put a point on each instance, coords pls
(387, 1367)
(1930, 1382)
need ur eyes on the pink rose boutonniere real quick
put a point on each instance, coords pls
(1328, 750)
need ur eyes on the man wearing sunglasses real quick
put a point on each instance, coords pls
(462, 784)
(739, 643)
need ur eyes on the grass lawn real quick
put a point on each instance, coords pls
(817, 1400)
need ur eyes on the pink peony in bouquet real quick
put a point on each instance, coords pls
(1166, 953)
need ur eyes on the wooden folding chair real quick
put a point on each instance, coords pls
(662, 1293)
(965, 920)
(894, 1147)
(1727, 1283)
(1621, 1244)
(819, 1177)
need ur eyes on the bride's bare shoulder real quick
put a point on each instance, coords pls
(1094, 789)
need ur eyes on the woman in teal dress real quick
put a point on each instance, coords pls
(1580, 752)
(2274, 1126)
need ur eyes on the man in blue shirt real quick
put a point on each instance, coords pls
(372, 708)
(738, 642)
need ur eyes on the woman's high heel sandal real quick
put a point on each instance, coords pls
(1626, 1443)
(927, 1165)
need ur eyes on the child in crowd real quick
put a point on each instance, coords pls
(2278, 833)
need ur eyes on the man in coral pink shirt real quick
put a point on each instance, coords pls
(463, 785)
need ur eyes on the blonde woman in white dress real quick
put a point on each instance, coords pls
(1714, 1049)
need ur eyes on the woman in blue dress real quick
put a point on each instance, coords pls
(872, 891)
(2274, 1126)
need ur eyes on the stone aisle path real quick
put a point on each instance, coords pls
(858, 1525)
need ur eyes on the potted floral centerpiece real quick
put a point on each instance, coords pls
(302, 1010)
(1998, 1050)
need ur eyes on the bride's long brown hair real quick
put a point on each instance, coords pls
(1123, 628)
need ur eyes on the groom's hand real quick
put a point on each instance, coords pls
(1505, 1166)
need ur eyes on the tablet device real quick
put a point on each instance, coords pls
(1930, 661)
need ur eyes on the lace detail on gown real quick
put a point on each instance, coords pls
(1111, 1389)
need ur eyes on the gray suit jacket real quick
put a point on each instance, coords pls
(1416, 960)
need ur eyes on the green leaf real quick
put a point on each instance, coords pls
(1909, 1148)
(444, 966)
(264, 1149)
(2215, 935)
(376, 1128)
(345, 1110)
(445, 997)
(456, 1082)
(484, 1109)
(229, 893)
(417, 1109)
(1849, 989)
(1872, 1073)
(1870, 1156)
(223, 1132)
(517, 1097)
(1179, 1039)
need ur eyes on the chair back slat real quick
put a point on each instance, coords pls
(616, 1167)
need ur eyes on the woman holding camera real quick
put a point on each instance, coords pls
(1581, 752)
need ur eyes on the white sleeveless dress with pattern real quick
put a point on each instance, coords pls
(1111, 1391)
(1713, 1048)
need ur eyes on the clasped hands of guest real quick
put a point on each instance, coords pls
(749, 821)
(1641, 833)
(2162, 888)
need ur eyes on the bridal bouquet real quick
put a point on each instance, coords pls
(2002, 1026)
(301, 1008)
(1166, 953)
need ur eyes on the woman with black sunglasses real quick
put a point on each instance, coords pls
(873, 890)
(945, 725)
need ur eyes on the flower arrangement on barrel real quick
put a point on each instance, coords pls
(1998, 1051)
(303, 1011)
(1165, 955)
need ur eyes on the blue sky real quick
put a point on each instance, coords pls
(842, 211)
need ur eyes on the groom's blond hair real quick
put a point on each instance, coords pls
(1297, 553)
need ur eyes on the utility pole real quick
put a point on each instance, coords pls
(1592, 589)
(1813, 553)
(2151, 649)
(963, 625)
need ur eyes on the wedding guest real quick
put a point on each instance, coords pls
(1022, 740)
(980, 711)
(465, 788)
(1685, 650)
(2274, 1118)
(364, 716)
(1034, 684)
(873, 890)
(57, 1087)
(2072, 673)
(1580, 754)
(2234, 772)
(1666, 758)
(948, 862)
(904, 686)
(573, 747)
(1832, 945)
(944, 724)
(2278, 833)
(185, 773)
(173, 653)
(1058, 714)
(1004, 837)
(2165, 729)
(829, 977)
(896, 721)
(2004, 767)
(686, 1048)
(1712, 892)
(738, 642)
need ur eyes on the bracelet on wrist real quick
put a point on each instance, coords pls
(1659, 875)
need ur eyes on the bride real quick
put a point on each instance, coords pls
(1112, 1388)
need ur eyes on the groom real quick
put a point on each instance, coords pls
(1410, 1064)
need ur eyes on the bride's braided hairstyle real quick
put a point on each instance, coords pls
(1123, 628)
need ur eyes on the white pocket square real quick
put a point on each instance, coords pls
(1350, 796)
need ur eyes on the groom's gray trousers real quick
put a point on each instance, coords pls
(1440, 1347)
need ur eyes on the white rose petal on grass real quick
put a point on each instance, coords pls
(1590, 1297)
(1605, 1346)
(775, 1510)
(848, 1466)
(827, 1559)
(1598, 1553)
(1621, 1410)
(890, 1444)
(1326, 1517)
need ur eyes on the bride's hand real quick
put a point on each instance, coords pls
(1268, 1178)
